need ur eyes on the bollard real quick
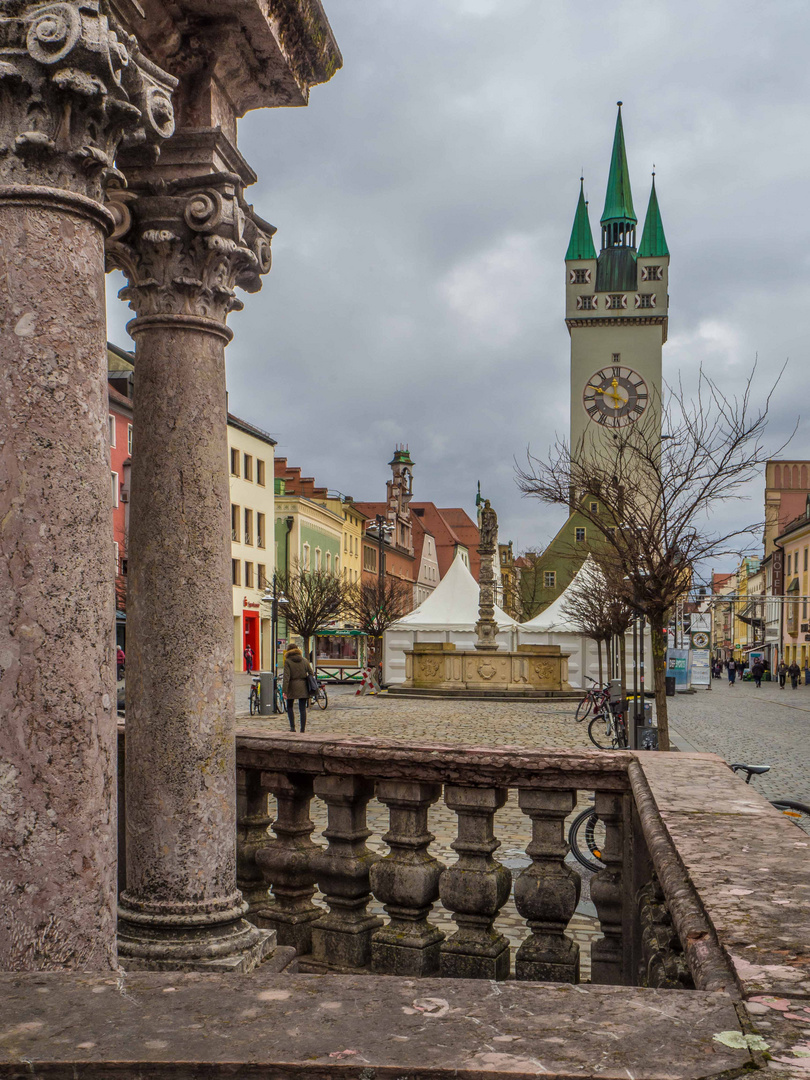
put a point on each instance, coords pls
(266, 693)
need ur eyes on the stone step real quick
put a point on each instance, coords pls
(436, 693)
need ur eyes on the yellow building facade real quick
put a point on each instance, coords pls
(251, 454)
(795, 617)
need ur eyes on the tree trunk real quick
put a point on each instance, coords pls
(623, 664)
(599, 654)
(659, 651)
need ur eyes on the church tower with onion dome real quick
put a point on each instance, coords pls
(616, 307)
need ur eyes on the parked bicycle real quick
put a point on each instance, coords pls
(255, 696)
(320, 697)
(586, 835)
(280, 701)
(594, 700)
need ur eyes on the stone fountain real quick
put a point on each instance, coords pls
(528, 671)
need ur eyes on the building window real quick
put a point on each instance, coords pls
(124, 567)
(586, 303)
(111, 422)
(236, 572)
(259, 472)
(115, 550)
(248, 526)
(616, 301)
(369, 558)
(261, 575)
(234, 523)
(114, 478)
(579, 535)
(329, 562)
(248, 575)
(129, 439)
(645, 300)
(788, 566)
(306, 556)
(234, 462)
(550, 579)
(652, 273)
(611, 531)
(259, 529)
(317, 560)
(580, 277)
(248, 466)
(345, 542)
(337, 566)
(594, 507)
(805, 558)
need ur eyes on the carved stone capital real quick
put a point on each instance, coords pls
(74, 87)
(185, 247)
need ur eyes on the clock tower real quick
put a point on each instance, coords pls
(616, 306)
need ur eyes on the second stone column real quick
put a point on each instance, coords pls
(183, 250)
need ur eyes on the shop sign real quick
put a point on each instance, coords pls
(777, 572)
(249, 603)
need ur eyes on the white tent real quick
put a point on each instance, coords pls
(448, 614)
(555, 627)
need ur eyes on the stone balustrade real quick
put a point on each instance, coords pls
(280, 775)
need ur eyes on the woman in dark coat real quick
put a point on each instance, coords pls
(296, 669)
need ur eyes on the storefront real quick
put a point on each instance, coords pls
(341, 654)
(251, 634)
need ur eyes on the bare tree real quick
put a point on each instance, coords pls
(597, 610)
(314, 598)
(657, 500)
(376, 605)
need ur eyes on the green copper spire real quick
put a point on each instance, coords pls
(653, 242)
(619, 197)
(581, 244)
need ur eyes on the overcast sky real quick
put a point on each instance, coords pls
(424, 202)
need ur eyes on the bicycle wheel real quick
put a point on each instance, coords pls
(281, 704)
(620, 728)
(321, 698)
(586, 838)
(254, 701)
(600, 732)
(583, 709)
(796, 812)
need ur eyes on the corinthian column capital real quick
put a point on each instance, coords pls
(185, 246)
(74, 87)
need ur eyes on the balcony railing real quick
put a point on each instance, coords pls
(281, 866)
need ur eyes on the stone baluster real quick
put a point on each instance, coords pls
(341, 939)
(184, 243)
(407, 882)
(288, 863)
(475, 888)
(547, 892)
(252, 822)
(607, 893)
(73, 88)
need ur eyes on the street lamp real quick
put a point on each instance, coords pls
(384, 530)
(276, 601)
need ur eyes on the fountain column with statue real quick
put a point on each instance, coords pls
(441, 669)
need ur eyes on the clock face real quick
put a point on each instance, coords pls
(615, 396)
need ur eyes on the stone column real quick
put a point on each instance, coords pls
(341, 939)
(72, 88)
(184, 245)
(407, 882)
(288, 864)
(547, 892)
(607, 893)
(486, 627)
(475, 888)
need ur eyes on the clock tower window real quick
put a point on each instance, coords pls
(586, 303)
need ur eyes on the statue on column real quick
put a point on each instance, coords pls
(486, 627)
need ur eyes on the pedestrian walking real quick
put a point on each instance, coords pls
(757, 671)
(732, 672)
(120, 662)
(794, 671)
(295, 687)
(248, 654)
(782, 671)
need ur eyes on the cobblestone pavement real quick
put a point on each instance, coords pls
(534, 724)
(768, 726)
